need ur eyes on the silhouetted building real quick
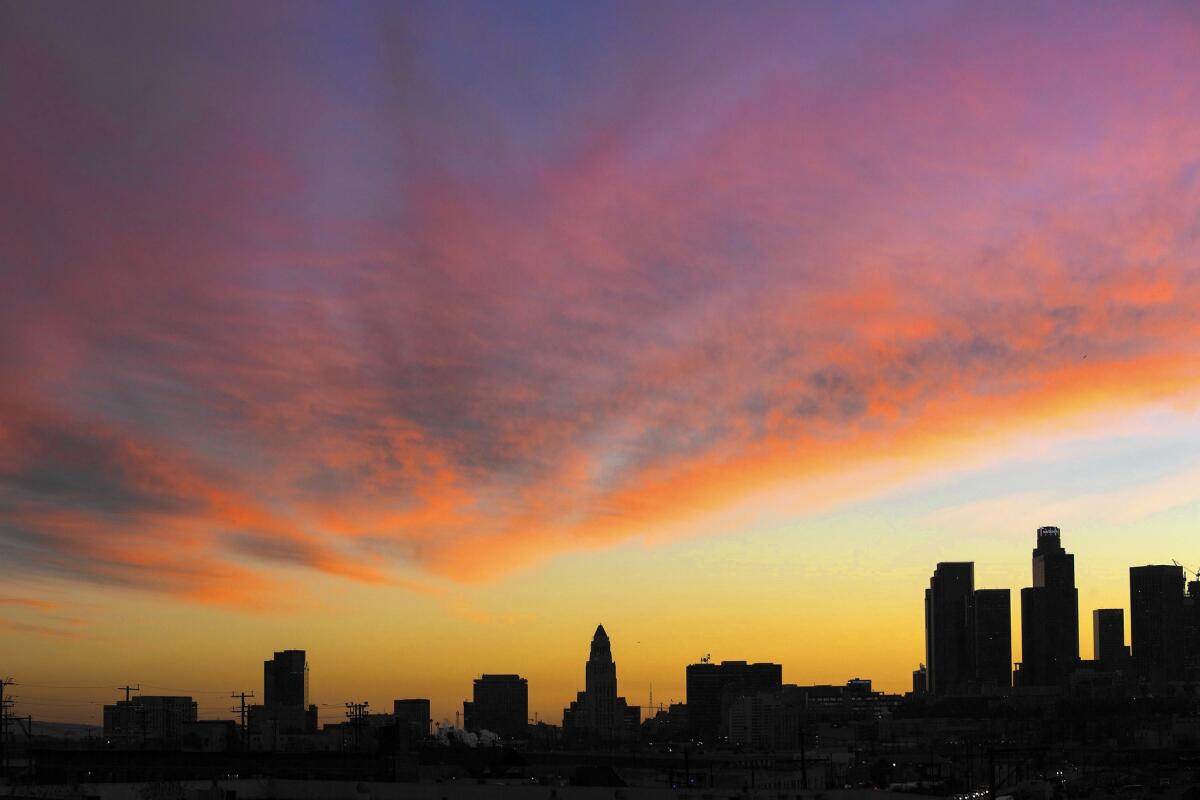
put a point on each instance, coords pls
(949, 642)
(279, 727)
(1049, 615)
(993, 638)
(919, 678)
(209, 736)
(285, 680)
(1192, 612)
(598, 714)
(767, 720)
(1157, 622)
(712, 688)
(500, 705)
(413, 717)
(148, 718)
(1108, 638)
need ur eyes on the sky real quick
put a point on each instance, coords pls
(427, 336)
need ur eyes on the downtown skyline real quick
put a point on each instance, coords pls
(426, 338)
(600, 675)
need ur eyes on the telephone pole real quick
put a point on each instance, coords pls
(242, 711)
(128, 689)
(5, 704)
(357, 714)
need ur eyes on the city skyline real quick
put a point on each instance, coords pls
(425, 337)
(967, 670)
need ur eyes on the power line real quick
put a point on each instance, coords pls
(5, 704)
(242, 711)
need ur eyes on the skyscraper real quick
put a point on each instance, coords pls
(597, 713)
(1108, 638)
(949, 641)
(500, 704)
(285, 680)
(993, 638)
(1050, 614)
(1157, 623)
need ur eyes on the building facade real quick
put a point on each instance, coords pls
(993, 639)
(500, 704)
(148, 718)
(1108, 638)
(285, 679)
(412, 715)
(712, 688)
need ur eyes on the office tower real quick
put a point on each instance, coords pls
(285, 680)
(949, 644)
(1108, 638)
(500, 704)
(1157, 622)
(1050, 614)
(597, 714)
(993, 638)
(412, 716)
(919, 684)
(712, 688)
(153, 718)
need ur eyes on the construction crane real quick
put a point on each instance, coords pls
(1187, 571)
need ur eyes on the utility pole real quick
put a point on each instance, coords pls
(242, 711)
(357, 713)
(29, 764)
(5, 704)
(128, 689)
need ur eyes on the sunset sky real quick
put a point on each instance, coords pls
(426, 336)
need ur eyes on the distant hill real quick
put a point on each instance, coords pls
(65, 730)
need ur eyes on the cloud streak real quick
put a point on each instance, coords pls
(379, 312)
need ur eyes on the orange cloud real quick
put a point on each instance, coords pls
(241, 350)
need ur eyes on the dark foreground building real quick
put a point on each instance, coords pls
(712, 689)
(148, 718)
(993, 639)
(285, 679)
(1158, 629)
(1108, 635)
(500, 704)
(949, 638)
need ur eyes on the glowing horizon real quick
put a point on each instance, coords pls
(426, 338)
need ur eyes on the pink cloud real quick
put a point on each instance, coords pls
(365, 349)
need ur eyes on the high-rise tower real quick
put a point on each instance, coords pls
(597, 713)
(993, 638)
(949, 628)
(600, 674)
(1108, 638)
(1157, 622)
(285, 680)
(1049, 614)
